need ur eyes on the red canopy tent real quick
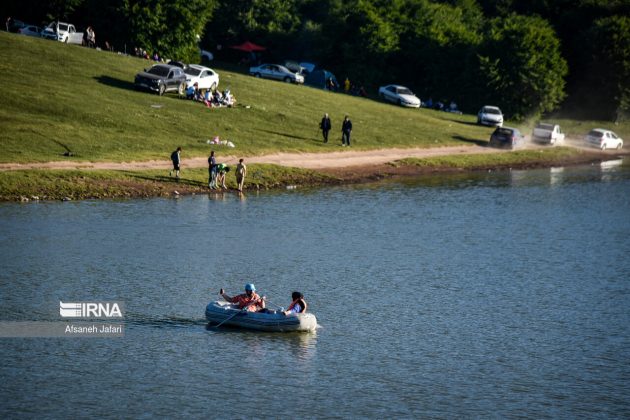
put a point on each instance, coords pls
(248, 47)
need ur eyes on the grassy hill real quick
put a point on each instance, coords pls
(59, 98)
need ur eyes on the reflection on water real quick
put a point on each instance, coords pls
(491, 294)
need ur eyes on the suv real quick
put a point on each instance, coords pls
(62, 31)
(506, 137)
(604, 139)
(490, 115)
(162, 78)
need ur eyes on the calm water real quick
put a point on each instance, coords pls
(488, 295)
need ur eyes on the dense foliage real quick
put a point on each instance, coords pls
(525, 56)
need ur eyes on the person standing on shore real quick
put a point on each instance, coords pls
(346, 129)
(241, 172)
(212, 171)
(325, 126)
(176, 159)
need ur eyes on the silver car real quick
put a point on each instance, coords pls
(276, 72)
(490, 115)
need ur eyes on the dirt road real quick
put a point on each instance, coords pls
(343, 158)
(338, 159)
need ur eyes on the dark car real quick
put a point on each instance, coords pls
(162, 78)
(506, 137)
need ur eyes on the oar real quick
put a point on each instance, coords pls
(232, 316)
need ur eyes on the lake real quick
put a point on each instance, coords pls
(499, 294)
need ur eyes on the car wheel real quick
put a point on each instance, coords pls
(180, 89)
(604, 146)
(161, 90)
(257, 75)
(213, 87)
(287, 79)
(619, 146)
(479, 121)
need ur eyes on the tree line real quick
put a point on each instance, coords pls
(530, 57)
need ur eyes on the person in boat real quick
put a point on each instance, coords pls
(250, 299)
(298, 305)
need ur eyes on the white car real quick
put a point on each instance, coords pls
(490, 115)
(64, 32)
(205, 77)
(604, 139)
(399, 95)
(276, 72)
(30, 30)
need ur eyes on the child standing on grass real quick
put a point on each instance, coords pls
(241, 172)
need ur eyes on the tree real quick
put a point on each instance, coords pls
(521, 65)
(170, 28)
(610, 64)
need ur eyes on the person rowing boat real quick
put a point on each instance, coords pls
(249, 300)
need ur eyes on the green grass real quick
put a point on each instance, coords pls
(81, 184)
(520, 158)
(59, 98)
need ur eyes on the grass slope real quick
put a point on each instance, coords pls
(60, 98)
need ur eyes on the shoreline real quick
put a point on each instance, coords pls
(78, 184)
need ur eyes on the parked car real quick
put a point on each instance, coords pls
(604, 139)
(162, 78)
(15, 25)
(507, 137)
(64, 32)
(321, 79)
(490, 115)
(399, 95)
(205, 77)
(276, 72)
(30, 30)
(547, 133)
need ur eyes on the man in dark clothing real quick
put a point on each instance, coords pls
(176, 161)
(346, 129)
(325, 125)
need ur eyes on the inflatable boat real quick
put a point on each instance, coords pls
(224, 313)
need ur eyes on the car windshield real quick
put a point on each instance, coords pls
(158, 70)
(595, 133)
(192, 72)
(63, 27)
(506, 131)
(544, 126)
(495, 111)
(404, 91)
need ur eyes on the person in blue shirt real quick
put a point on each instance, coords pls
(212, 171)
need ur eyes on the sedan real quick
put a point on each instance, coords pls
(162, 78)
(507, 137)
(604, 139)
(277, 72)
(490, 115)
(399, 95)
(30, 30)
(204, 77)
